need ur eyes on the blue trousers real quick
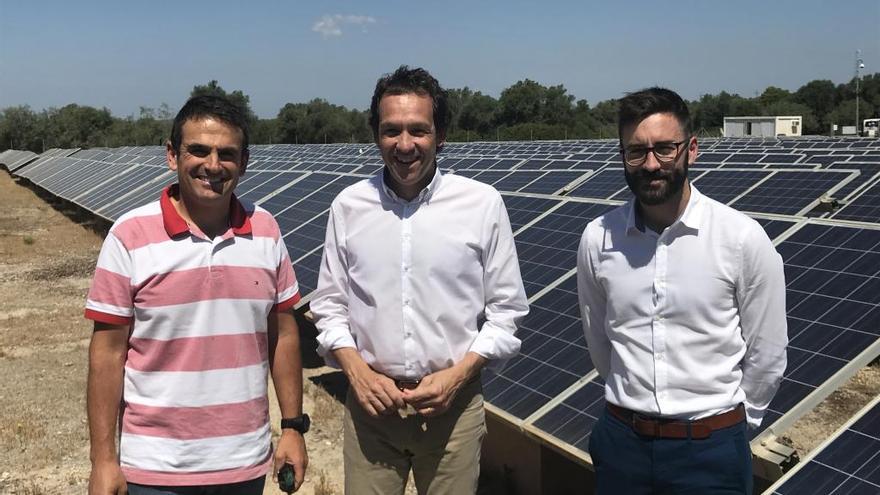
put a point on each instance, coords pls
(632, 464)
(252, 487)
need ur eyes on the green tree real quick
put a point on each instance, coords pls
(74, 126)
(521, 103)
(237, 97)
(773, 95)
(821, 96)
(21, 128)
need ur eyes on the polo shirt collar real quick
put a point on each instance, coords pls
(175, 225)
(691, 218)
(424, 195)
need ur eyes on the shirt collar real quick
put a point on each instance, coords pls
(175, 225)
(690, 218)
(424, 195)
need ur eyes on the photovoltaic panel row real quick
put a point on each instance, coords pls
(601, 185)
(865, 207)
(725, 185)
(157, 179)
(547, 249)
(535, 182)
(868, 171)
(790, 192)
(117, 195)
(19, 167)
(304, 246)
(553, 355)
(523, 209)
(847, 463)
(12, 159)
(833, 305)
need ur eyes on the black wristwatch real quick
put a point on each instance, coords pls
(299, 423)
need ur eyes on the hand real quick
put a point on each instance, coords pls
(106, 478)
(291, 450)
(376, 393)
(435, 392)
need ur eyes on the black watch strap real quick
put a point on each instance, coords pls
(299, 423)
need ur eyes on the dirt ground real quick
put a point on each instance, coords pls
(47, 256)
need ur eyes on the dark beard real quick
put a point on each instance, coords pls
(639, 183)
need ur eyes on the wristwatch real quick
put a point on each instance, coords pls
(299, 423)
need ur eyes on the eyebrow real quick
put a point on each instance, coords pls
(194, 147)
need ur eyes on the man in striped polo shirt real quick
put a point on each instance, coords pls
(192, 306)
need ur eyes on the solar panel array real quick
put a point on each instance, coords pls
(847, 463)
(552, 190)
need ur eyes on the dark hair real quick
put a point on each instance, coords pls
(405, 80)
(216, 106)
(635, 107)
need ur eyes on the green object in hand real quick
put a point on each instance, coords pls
(286, 481)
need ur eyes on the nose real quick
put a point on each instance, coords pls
(651, 164)
(212, 161)
(405, 143)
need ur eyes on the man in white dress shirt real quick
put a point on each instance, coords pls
(683, 306)
(419, 289)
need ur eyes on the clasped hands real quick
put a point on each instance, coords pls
(378, 394)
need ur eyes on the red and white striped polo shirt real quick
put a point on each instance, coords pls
(195, 406)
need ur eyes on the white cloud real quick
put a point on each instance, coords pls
(331, 25)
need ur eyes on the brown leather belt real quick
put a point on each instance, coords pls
(677, 428)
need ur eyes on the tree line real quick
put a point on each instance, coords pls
(527, 110)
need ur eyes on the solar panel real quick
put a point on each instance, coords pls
(790, 192)
(601, 185)
(847, 463)
(865, 207)
(551, 182)
(726, 185)
(548, 247)
(553, 355)
(523, 209)
(833, 306)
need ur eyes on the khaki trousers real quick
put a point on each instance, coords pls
(443, 452)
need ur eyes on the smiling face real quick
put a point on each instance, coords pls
(408, 141)
(209, 163)
(654, 182)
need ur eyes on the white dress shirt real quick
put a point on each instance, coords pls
(687, 323)
(414, 286)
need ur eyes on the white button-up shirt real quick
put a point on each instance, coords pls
(414, 286)
(687, 323)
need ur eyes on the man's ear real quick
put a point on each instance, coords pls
(693, 150)
(171, 156)
(245, 156)
(441, 140)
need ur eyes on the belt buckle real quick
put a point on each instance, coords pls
(406, 384)
(644, 425)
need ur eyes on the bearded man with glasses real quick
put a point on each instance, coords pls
(683, 306)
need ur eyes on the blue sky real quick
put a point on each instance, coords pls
(123, 55)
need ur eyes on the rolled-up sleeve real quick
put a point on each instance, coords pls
(329, 304)
(506, 302)
(761, 298)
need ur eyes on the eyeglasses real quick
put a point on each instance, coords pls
(665, 153)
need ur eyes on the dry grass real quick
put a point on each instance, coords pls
(325, 406)
(22, 487)
(20, 433)
(323, 485)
